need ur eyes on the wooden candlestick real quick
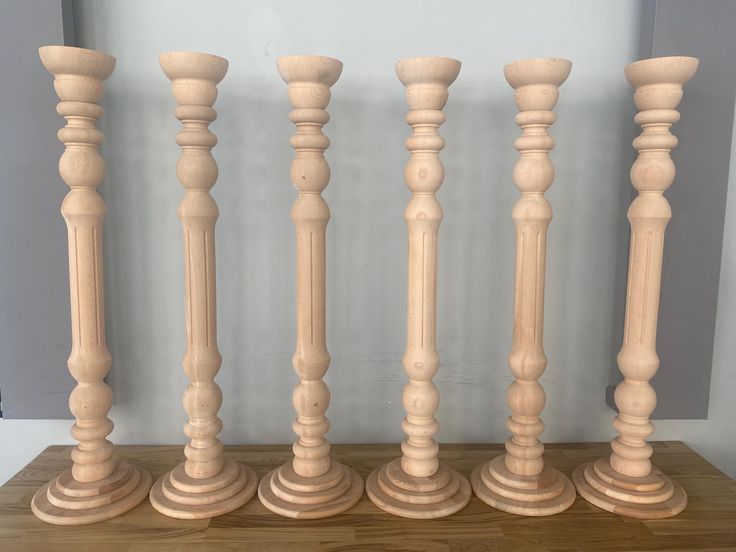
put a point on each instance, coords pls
(418, 485)
(627, 483)
(206, 484)
(97, 486)
(311, 485)
(520, 482)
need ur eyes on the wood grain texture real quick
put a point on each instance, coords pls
(520, 482)
(205, 485)
(417, 485)
(311, 485)
(97, 486)
(625, 482)
(708, 522)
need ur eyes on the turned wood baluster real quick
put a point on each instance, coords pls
(533, 174)
(418, 485)
(208, 485)
(197, 172)
(626, 482)
(652, 174)
(312, 485)
(520, 482)
(310, 175)
(98, 486)
(424, 175)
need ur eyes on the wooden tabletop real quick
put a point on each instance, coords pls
(708, 522)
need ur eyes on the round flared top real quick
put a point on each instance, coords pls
(427, 69)
(674, 69)
(309, 68)
(193, 65)
(525, 72)
(68, 60)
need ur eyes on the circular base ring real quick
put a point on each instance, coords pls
(65, 501)
(277, 492)
(548, 493)
(617, 493)
(227, 491)
(440, 495)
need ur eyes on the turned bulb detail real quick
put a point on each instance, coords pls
(418, 485)
(206, 484)
(311, 484)
(310, 175)
(98, 486)
(651, 174)
(520, 482)
(626, 482)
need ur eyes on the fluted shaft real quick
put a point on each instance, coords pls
(97, 486)
(626, 482)
(309, 96)
(197, 172)
(418, 485)
(533, 174)
(311, 484)
(424, 174)
(82, 168)
(652, 174)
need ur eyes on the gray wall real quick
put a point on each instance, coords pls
(692, 257)
(366, 236)
(34, 302)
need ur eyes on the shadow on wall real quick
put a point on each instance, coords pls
(366, 265)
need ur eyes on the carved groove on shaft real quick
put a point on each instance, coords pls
(536, 85)
(424, 174)
(651, 174)
(82, 168)
(309, 94)
(194, 87)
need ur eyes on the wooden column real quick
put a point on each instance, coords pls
(418, 485)
(97, 486)
(311, 485)
(627, 483)
(206, 484)
(520, 482)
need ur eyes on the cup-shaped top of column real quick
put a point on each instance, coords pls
(195, 76)
(78, 75)
(78, 72)
(427, 80)
(309, 78)
(658, 83)
(536, 82)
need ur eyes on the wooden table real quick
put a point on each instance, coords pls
(708, 522)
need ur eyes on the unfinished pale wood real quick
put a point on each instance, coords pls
(206, 484)
(311, 485)
(520, 482)
(417, 485)
(707, 524)
(626, 483)
(97, 486)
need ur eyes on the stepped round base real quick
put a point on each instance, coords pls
(65, 501)
(392, 489)
(177, 495)
(545, 494)
(285, 492)
(654, 496)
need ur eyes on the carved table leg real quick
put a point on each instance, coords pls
(97, 487)
(520, 482)
(311, 485)
(627, 483)
(206, 484)
(418, 485)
